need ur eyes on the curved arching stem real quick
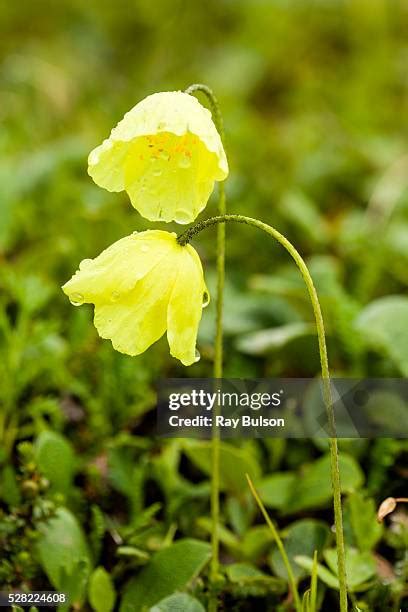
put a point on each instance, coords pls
(215, 107)
(218, 348)
(183, 239)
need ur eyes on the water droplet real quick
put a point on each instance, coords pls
(76, 299)
(182, 216)
(144, 248)
(115, 296)
(206, 299)
(197, 356)
(85, 263)
(184, 162)
(164, 155)
(157, 172)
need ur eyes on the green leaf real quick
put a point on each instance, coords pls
(268, 340)
(360, 566)
(55, 459)
(306, 601)
(237, 572)
(276, 490)
(255, 542)
(226, 537)
(9, 490)
(301, 538)
(246, 574)
(323, 573)
(298, 208)
(101, 591)
(62, 547)
(384, 324)
(126, 475)
(363, 518)
(246, 580)
(178, 602)
(132, 551)
(234, 464)
(313, 488)
(73, 584)
(170, 570)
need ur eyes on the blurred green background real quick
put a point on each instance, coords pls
(314, 98)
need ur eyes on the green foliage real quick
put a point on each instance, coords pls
(360, 568)
(55, 459)
(314, 98)
(384, 323)
(312, 488)
(235, 463)
(246, 580)
(170, 570)
(363, 516)
(179, 601)
(101, 591)
(302, 537)
(67, 564)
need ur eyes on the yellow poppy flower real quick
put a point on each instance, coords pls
(166, 153)
(142, 285)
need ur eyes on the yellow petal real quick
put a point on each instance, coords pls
(140, 286)
(106, 164)
(137, 320)
(118, 268)
(166, 153)
(172, 185)
(185, 307)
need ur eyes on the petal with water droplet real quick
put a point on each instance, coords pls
(138, 319)
(185, 307)
(119, 267)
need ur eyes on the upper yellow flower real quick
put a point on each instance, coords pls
(142, 285)
(166, 153)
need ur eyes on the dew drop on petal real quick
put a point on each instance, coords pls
(182, 216)
(197, 356)
(164, 155)
(85, 263)
(115, 296)
(184, 162)
(76, 299)
(157, 172)
(206, 299)
(144, 248)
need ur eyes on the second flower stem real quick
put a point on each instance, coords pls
(334, 459)
(218, 352)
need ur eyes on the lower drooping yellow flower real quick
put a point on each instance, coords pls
(142, 285)
(166, 153)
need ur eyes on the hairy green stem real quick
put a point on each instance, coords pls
(215, 107)
(218, 350)
(279, 544)
(334, 459)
